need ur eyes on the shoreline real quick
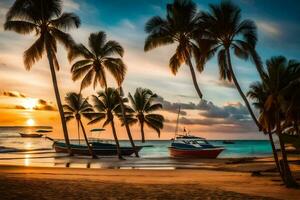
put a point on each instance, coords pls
(138, 184)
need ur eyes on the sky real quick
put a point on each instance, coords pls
(27, 97)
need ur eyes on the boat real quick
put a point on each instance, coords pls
(31, 135)
(228, 142)
(99, 148)
(192, 146)
(43, 131)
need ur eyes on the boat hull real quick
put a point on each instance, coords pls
(196, 153)
(82, 150)
(33, 135)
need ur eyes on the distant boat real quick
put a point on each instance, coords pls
(228, 142)
(43, 131)
(192, 146)
(31, 135)
(99, 148)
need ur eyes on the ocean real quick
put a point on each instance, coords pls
(9, 138)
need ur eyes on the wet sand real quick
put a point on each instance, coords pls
(72, 183)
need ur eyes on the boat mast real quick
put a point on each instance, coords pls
(177, 122)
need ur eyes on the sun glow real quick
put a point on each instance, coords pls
(30, 122)
(29, 103)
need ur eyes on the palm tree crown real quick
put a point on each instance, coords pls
(143, 104)
(180, 26)
(96, 60)
(45, 18)
(225, 30)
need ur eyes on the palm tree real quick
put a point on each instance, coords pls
(180, 26)
(226, 32)
(94, 64)
(46, 20)
(259, 94)
(96, 60)
(107, 106)
(77, 107)
(143, 105)
(280, 76)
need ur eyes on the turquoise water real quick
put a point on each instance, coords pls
(9, 137)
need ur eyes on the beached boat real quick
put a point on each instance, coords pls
(31, 135)
(99, 148)
(192, 146)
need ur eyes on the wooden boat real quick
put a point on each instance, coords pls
(31, 135)
(192, 146)
(99, 148)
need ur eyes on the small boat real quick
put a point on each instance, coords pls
(192, 146)
(31, 135)
(228, 142)
(99, 148)
(43, 131)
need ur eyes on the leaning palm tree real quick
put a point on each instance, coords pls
(143, 104)
(77, 107)
(46, 20)
(106, 107)
(95, 62)
(180, 26)
(225, 32)
(280, 76)
(258, 92)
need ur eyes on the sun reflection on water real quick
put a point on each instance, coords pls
(27, 160)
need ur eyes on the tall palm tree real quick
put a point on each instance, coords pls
(280, 76)
(143, 104)
(180, 26)
(94, 63)
(46, 20)
(225, 32)
(77, 107)
(107, 106)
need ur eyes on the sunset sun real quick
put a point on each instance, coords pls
(30, 122)
(29, 103)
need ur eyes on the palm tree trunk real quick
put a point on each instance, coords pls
(275, 154)
(58, 100)
(86, 140)
(240, 90)
(288, 178)
(116, 139)
(127, 125)
(142, 131)
(194, 78)
(78, 132)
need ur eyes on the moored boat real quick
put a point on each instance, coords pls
(192, 146)
(99, 148)
(31, 135)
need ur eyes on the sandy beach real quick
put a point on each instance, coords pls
(73, 183)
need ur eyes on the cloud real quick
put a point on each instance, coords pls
(44, 105)
(224, 83)
(127, 24)
(269, 28)
(70, 5)
(13, 94)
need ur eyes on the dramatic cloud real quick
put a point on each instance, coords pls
(13, 94)
(269, 28)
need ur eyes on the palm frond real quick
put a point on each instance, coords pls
(34, 53)
(22, 27)
(66, 21)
